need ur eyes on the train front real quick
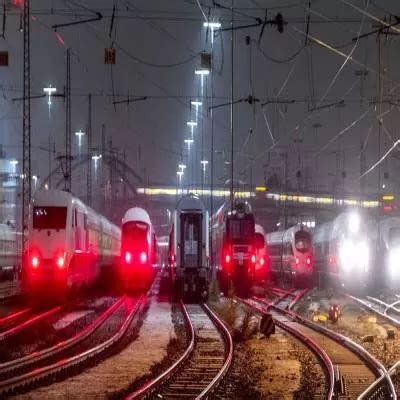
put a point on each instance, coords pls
(239, 253)
(47, 254)
(136, 248)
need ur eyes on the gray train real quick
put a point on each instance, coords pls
(189, 248)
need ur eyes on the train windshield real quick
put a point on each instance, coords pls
(259, 241)
(135, 231)
(49, 217)
(240, 230)
(302, 241)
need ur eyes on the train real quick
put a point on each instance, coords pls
(261, 268)
(138, 249)
(385, 249)
(290, 254)
(188, 250)
(69, 246)
(342, 250)
(233, 244)
(9, 259)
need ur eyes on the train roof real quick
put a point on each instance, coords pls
(136, 214)
(287, 235)
(190, 202)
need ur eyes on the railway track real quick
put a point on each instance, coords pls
(387, 311)
(202, 366)
(354, 369)
(39, 366)
(10, 318)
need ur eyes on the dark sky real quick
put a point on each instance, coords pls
(161, 32)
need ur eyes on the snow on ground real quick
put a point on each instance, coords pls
(117, 372)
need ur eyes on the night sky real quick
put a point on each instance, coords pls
(151, 35)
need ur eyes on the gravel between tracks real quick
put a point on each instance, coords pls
(278, 367)
(354, 323)
(118, 371)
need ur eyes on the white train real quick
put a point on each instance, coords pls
(68, 243)
(386, 250)
(138, 248)
(342, 249)
(290, 254)
(9, 260)
(189, 247)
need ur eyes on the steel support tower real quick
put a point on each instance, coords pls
(26, 129)
(89, 144)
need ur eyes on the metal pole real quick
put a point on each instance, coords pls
(26, 131)
(89, 152)
(68, 135)
(232, 59)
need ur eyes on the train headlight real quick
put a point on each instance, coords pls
(354, 223)
(363, 254)
(60, 262)
(253, 259)
(35, 262)
(262, 261)
(347, 254)
(128, 257)
(143, 257)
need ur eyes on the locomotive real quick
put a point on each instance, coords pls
(291, 255)
(138, 248)
(342, 250)
(69, 246)
(188, 250)
(234, 250)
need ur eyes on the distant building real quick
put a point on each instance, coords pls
(8, 191)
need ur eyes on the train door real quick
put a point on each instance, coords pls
(191, 239)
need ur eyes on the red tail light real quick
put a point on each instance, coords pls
(35, 261)
(297, 261)
(227, 258)
(60, 262)
(253, 259)
(143, 257)
(308, 261)
(128, 257)
(262, 261)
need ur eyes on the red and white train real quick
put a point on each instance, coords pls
(262, 262)
(290, 254)
(69, 244)
(233, 245)
(138, 248)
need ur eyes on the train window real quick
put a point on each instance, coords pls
(49, 217)
(302, 241)
(240, 229)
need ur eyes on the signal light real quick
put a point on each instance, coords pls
(35, 261)
(253, 258)
(143, 257)
(128, 257)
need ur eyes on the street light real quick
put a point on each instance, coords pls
(35, 180)
(180, 174)
(202, 72)
(196, 103)
(192, 124)
(189, 142)
(49, 91)
(204, 163)
(214, 25)
(182, 166)
(80, 134)
(96, 158)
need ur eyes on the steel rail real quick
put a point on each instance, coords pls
(63, 345)
(308, 342)
(369, 307)
(10, 385)
(370, 360)
(228, 359)
(12, 331)
(153, 384)
(11, 317)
